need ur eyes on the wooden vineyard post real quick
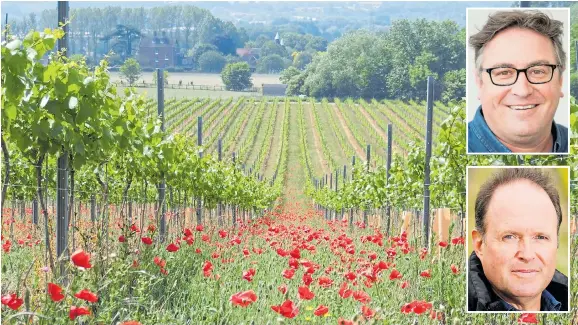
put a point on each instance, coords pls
(407, 220)
(441, 226)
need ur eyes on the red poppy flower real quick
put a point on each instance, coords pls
(321, 310)
(344, 292)
(527, 318)
(160, 262)
(190, 240)
(246, 252)
(425, 274)
(121, 239)
(131, 322)
(244, 298)
(200, 228)
(80, 258)
(307, 279)
(350, 276)
(282, 288)
(293, 263)
(207, 268)
(305, 293)
(85, 294)
(455, 269)
(172, 248)
(361, 296)
(281, 252)
(395, 274)
(404, 285)
(146, 240)
(417, 306)
(287, 309)
(55, 292)
(12, 301)
(187, 232)
(325, 282)
(205, 238)
(458, 241)
(6, 246)
(249, 274)
(288, 274)
(152, 228)
(372, 256)
(367, 312)
(134, 228)
(420, 308)
(77, 311)
(443, 243)
(295, 253)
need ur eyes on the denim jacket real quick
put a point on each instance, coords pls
(482, 140)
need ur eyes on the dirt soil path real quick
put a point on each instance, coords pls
(348, 134)
(372, 122)
(317, 143)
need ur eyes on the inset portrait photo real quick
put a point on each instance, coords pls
(518, 80)
(518, 239)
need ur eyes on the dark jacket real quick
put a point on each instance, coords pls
(481, 297)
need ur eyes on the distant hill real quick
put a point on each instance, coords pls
(266, 12)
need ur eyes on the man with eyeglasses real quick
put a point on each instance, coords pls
(519, 63)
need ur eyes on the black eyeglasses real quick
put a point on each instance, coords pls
(536, 74)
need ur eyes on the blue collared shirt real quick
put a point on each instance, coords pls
(548, 303)
(482, 140)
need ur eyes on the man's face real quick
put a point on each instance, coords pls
(518, 253)
(503, 105)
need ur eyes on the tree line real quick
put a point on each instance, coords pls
(387, 64)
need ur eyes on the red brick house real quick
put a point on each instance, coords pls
(157, 48)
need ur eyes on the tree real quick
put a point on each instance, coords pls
(270, 48)
(198, 50)
(237, 76)
(302, 59)
(288, 74)
(131, 71)
(271, 64)
(454, 84)
(212, 61)
(294, 79)
(126, 38)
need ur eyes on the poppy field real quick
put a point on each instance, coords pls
(266, 219)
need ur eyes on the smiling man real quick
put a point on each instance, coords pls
(513, 266)
(519, 63)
